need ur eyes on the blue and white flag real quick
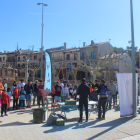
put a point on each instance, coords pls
(48, 74)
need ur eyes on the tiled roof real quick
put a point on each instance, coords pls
(95, 44)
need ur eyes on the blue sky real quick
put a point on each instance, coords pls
(67, 21)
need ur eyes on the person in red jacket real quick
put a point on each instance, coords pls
(15, 97)
(53, 91)
(4, 100)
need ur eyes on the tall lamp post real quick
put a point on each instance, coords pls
(109, 58)
(42, 25)
(133, 61)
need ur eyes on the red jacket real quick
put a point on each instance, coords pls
(53, 88)
(16, 94)
(5, 99)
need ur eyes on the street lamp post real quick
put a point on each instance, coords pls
(109, 59)
(42, 25)
(133, 62)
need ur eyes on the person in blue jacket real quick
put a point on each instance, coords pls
(22, 97)
(103, 94)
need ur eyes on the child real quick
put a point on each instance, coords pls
(4, 100)
(65, 93)
(45, 97)
(15, 97)
(9, 93)
(22, 97)
(94, 95)
(109, 100)
(90, 96)
(72, 92)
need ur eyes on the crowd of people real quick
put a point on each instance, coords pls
(24, 93)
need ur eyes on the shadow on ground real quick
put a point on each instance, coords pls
(16, 123)
(112, 124)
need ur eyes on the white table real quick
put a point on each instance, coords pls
(62, 104)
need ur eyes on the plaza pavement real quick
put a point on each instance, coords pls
(19, 126)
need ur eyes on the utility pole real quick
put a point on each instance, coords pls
(133, 62)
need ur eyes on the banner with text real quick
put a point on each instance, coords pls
(48, 74)
(125, 86)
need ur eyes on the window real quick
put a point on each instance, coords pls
(35, 57)
(18, 65)
(92, 55)
(68, 56)
(18, 58)
(3, 58)
(30, 57)
(74, 64)
(74, 57)
(0, 59)
(83, 55)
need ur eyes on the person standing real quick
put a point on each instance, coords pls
(84, 92)
(72, 92)
(21, 84)
(76, 88)
(9, 93)
(102, 91)
(36, 92)
(4, 100)
(40, 87)
(1, 86)
(13, 87)
(109, 100)
(29, 90)
(61, 83)
(112, 88)
(65, 93)
(58, 90)
(5, 84)
(96, 84)
(22, 97)
(15, 97)
(53, 91)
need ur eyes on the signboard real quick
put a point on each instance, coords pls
(125, 86)
(48, 74)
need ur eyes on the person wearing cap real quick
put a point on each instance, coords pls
(5, 84)
(103, 94)
(84, 92)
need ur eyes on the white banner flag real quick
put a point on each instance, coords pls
(125, 86)
(48, 74)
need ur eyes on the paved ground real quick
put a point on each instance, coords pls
(19, 125)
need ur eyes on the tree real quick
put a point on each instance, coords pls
(34, 69)
(95, 65)
(26, 59)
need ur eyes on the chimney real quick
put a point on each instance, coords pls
(4, 51)
(92, 42)
(64, 45)
(84, 44)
